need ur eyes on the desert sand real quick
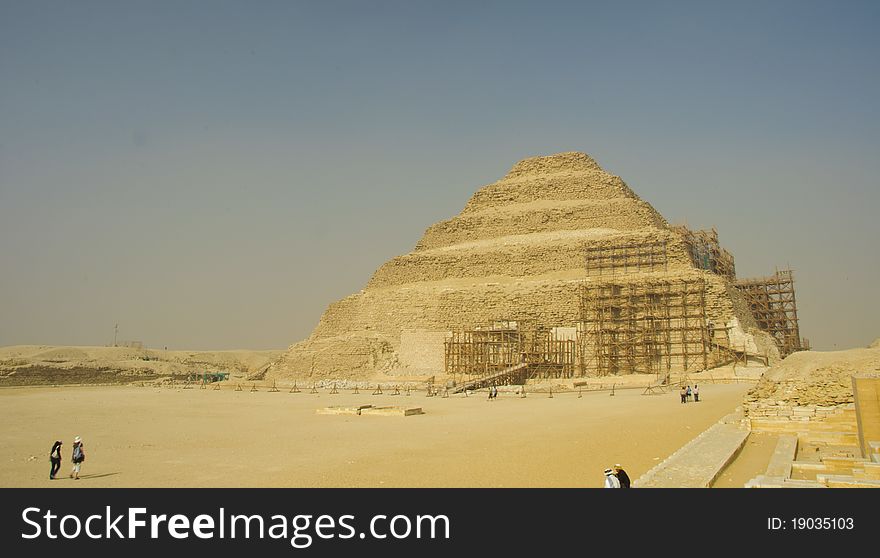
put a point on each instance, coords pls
(751, 461)
(52, 364)
(172, 437)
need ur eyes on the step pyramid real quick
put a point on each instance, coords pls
(516, 251)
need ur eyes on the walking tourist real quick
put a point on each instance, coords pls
(683, 394)
(55, 458)
(610, 480)
(79, 455)
(696, 393)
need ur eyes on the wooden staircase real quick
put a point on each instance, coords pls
(723, 353)
(516, 374)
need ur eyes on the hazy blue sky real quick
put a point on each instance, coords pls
(214, 174)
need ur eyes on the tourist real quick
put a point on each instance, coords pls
(79, 455)
(621, 475)
(683, 394)
(696, 393)
(55, 458)
(610, 480)
(688, 398)
(494, 391)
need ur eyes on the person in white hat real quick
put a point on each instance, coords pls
(610, 480)
(79, 455)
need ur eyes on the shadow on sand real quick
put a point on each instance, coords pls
(97, 475)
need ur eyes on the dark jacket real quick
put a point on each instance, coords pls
(623, 478)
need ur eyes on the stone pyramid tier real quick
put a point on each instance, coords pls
(565, 192)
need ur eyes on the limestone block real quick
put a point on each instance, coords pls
(866, 389)
(783, 456)
(393, 411)
(336, 410)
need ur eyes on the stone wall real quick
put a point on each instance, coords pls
(866, 392)
(619, 214)
(780, 410)
(514, 256)
(422, 351)
(376, 322)
(554, 302)
(354, 355)
(564, 176)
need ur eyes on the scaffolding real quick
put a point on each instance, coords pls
(643, 327)
(627, 257)
(772, 301)
(706, 252)
(508, 351)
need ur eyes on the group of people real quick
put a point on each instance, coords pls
(77, 458)
(493, 392)
(616, 477)
(686, 393)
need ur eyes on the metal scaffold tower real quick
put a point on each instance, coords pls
(772, 301)
(509, 352)
(627, 257)
(643, 327)
(706, 252)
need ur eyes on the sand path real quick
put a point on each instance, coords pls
(751, 461)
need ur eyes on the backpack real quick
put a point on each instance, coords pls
(78, 455)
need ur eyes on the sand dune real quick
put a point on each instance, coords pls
(45, 364)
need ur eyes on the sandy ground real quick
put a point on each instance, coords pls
(751, 461)
(157, 437)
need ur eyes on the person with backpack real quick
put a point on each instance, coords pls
(79, 455)
(55, 458)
